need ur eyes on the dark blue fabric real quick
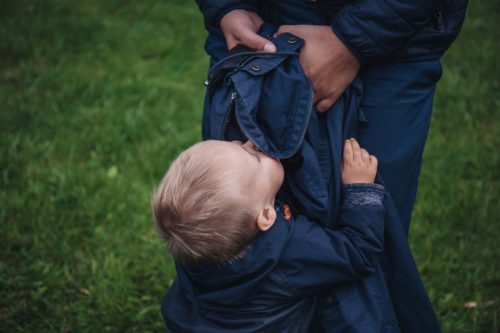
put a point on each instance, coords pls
(397, 103)
(273, 287)
(394, 294)
(374, 30)
(245, 73)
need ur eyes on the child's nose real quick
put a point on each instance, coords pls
(249, 145)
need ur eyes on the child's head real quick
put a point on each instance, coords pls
(214, 198)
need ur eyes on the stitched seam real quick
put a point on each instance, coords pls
(399, 15)
(381, 50)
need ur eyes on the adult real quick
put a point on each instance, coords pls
(394, 46)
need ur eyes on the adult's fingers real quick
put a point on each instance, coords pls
(284, 28)
(240, 27)
(324, 105)
(255, 42)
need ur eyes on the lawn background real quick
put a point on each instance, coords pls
(97, 97)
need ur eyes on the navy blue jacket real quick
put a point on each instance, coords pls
(274, 286)
(268, 99)
(374, 30)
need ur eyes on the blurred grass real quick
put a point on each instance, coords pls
(456, 218)
(96, 98)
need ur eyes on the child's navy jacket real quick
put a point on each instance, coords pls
(274, 287)
(268, 99)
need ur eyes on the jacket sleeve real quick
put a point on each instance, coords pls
(375, 29)
(214, 10)
(316, 257)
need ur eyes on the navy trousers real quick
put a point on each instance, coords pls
(397, 103)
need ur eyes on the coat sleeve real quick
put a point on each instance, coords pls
(214, 10)
(375, 29)
(317, 258)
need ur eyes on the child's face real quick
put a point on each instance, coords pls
(261, 174)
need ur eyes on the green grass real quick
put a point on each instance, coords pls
(96, 97)
(456, 219)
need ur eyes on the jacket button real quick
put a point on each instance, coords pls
(256, 68)
(330, 299)
(291, 40)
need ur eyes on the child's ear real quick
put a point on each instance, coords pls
(266, 218)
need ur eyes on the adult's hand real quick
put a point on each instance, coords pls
(240, 27)
(326, 61)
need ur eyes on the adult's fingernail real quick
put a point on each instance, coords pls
(269, 47)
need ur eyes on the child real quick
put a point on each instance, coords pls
(267, 99)
(243, 262)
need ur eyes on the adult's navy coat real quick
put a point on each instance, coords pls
(268, 99)
(399, 43)
(374, 30)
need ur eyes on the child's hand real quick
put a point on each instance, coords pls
(357, 165)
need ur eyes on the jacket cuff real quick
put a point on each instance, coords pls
(355, 195)
(340, 35)
(355, 39)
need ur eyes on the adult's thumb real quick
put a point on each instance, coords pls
(269, 47)
(258, 43)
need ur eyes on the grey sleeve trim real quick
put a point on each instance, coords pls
(355, 195)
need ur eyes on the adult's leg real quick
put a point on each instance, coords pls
(397, 103)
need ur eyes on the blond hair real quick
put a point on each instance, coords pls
(199, 208)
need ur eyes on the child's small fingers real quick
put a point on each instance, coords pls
(356, 150)
(373, 161)
(347, 150)
(355, 144)
(365, 155)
